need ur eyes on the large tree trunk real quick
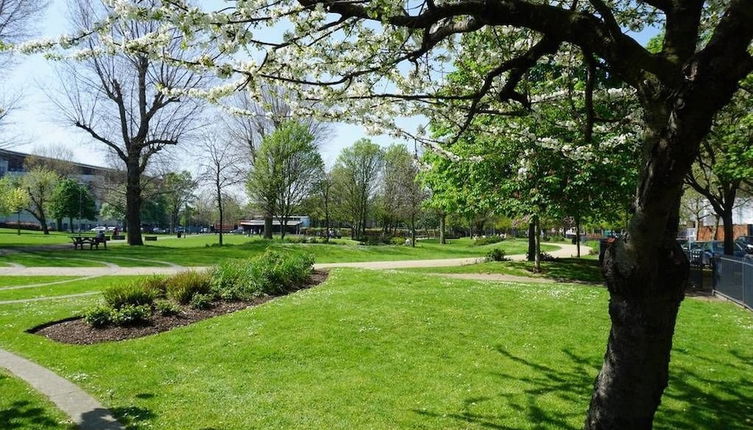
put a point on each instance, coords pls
(413, 230)
(531, 240)
(537, 254)
(729, 232)
(220, 209)
(442, 227)
(133, 200)
(646, 274)
(268, 225)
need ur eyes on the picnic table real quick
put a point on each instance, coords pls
(92, 241)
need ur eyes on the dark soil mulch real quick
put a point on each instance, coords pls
(76, 331)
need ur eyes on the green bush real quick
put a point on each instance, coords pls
(167, 308)
(397, 241)
(232, 280)
(99, 316)
(131, 315)
(487, 240)
(157, 284)
(496, 254)
(135, 293)
(182, 286)
(201, 301)
(276, 273)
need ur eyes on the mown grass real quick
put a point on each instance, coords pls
(563, 269)
(10, 238)
(11, 281)
(371, 349)
(63, 289)
(197, 251)
(23, 408)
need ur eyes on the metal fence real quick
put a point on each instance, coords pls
(733, 279)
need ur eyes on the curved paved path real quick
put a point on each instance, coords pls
(566, 250)
(83, 409)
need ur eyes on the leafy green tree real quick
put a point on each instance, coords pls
(13, 199)
(72, 199)
(178, 189)
(40, 185)
(356, 176)
(284, 172)
(724, 167)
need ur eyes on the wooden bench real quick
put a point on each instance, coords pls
(150, 238)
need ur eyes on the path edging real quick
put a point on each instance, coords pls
(82, 408)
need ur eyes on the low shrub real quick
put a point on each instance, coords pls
(231, 280)
(276, 273)
(157, 284)
(135, 293)
(182, 286)
(201, 301)
(99, 316)
(131, 315)
(496, 254)
(481, 241)
(166, 308)
(397, 241)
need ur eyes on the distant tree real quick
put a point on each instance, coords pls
(324, 194)
(72, 199)
(112, 211)
(40, 184)
(117, 99)
(356, 178)
(221, 168)
(56, 158)
(13, 199)
(401, 187)
(178, 189)
(284, 173)
(724, 167)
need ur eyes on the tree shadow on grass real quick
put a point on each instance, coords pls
(134, 416)
(533, 390)
(23, 415)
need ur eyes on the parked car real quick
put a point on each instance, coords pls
(206, 230)
(99, 228)
(238, 230)
(158, 230)
(701, 253)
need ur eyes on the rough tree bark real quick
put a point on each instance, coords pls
(268, 225)
(531, 256)
(133, 199)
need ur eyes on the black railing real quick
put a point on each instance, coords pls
(733, 279)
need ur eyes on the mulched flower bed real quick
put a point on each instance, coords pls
(76, 331)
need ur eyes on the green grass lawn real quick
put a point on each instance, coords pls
(63, 289)
(372, 349)
(564, 269)
(23, 408)
(197, 251)
(12, 281)
(10, 238)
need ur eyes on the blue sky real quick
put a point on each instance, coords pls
(37, 123)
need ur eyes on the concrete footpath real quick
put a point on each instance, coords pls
(566, 250)
(83, 409)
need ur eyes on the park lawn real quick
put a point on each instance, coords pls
(23, 408)
(73, 287)
(12, 281)
(10, 238)
(197, 251)
(563, 269)
(372, 349)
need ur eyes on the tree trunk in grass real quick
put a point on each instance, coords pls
(729, 232)
(442, 226)
(133, 198)
(537, 251)
(646, 270)
(268, 227)
(577, 235)
(531, 256)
